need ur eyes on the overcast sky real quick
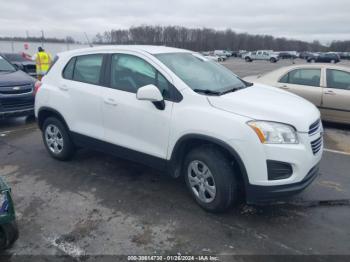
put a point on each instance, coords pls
(324, 20)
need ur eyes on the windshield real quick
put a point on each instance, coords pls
(6, 66)
(201, 74)
(15, 57)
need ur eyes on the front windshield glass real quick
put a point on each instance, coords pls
(15, 57)
(201, 74)
(6, 66)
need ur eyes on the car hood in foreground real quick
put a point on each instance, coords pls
(261, 102)
(15, 78)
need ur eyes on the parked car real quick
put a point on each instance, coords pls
(345, 55)
(21, 63)
(261, 55)
(17, 91)
(8, 225)
(305, 55)
(215, 58)
(324, 58)
(222, 53)
(176, 111)
(287, 55)
(326, 86)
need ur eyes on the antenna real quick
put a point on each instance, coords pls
(87, 38)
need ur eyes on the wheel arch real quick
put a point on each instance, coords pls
(190, 141)
(45, 112)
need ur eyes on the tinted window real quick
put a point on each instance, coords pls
(88, 68)
(338, 79)
(129, 73)
(308, 77)
(5, 66)
(69, 69)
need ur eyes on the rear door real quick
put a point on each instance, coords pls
(305, 82)
(336, 96)
(80, 94)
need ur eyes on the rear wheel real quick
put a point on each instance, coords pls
(211, 179)
(57, 140)
(332, 61)
(8, 235)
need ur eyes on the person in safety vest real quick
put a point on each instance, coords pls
(43, 61)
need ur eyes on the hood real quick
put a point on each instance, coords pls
(262, 102)
(15, 78)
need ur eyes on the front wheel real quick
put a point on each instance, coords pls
(211, 179)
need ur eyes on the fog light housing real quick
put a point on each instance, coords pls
(277, 170)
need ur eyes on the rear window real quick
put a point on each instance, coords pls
(307, 77)
(85, 68)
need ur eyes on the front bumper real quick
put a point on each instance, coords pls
(262, 194)
(16, 113)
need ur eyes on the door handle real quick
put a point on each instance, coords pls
(110, 101)
(63, 87)
(284, 87)
(330, 92)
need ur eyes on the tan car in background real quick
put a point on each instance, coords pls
(327, 86)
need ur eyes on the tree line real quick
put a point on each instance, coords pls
(68, 39)
(204, 39)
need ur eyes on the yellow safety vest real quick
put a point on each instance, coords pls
(43, 62)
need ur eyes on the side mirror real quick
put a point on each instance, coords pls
(151, 93)
(18, 66)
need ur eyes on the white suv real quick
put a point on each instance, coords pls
(179, 112)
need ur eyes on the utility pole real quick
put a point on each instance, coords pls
(27, 34)
(87, 38)
(42, 38)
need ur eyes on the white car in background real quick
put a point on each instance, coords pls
(215, 58)
(326, 86)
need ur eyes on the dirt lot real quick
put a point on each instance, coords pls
(100, 205)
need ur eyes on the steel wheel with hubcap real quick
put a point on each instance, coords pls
(201, 181)
(211, 178)
(57, 139)
(54, 139)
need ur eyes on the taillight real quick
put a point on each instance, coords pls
(37, 85)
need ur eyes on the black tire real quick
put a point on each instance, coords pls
(273, 60)
(247, 59)
(223, 174)
(8, 235)
(67, 149)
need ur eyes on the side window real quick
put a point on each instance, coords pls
(129, 73)
(285, 78)
(88, 68)
(308, 77)
(69, 69)
(338, 79)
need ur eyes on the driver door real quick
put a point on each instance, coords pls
(129, 122)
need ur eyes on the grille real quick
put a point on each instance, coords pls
(316, 145)
(22, 90)
(16, 104)
(314, 127)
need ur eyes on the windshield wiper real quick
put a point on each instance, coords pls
(229, 90)
(207, 92)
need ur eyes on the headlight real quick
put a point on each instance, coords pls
(274, 133)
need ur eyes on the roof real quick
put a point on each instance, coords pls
(151, 49)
